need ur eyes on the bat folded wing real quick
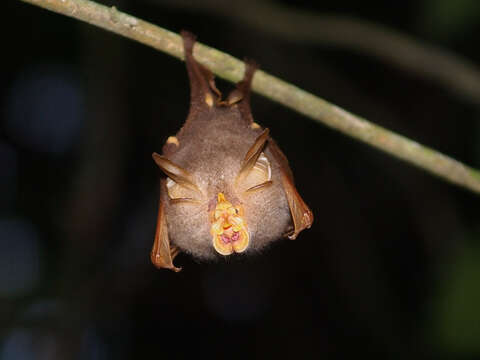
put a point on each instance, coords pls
(302, 216)
(162, 254)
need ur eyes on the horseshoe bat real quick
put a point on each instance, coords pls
(228, 188)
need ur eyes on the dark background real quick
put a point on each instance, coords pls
(390, 268)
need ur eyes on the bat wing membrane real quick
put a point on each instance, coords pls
(302, 216)
(162, 253)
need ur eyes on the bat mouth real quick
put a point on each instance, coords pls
(228, 230)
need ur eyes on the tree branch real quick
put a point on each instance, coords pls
(452, 71)
(276, 89)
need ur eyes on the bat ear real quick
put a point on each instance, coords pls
(203, 91)
(180, 183)
(255, 170)
(162, 254)
(175, 172)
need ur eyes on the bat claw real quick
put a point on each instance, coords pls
(159, 263)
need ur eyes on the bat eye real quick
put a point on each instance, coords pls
(180, 192)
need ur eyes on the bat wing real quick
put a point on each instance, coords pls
(162, 254)
(302, 216)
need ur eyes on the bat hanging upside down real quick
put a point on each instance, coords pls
(228, 187)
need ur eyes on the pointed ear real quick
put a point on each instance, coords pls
(175, 172)
(162, 254)
(255, 159)
(203, 91)
(254, 152)
(302, 216)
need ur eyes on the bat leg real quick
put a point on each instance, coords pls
(241, 94)
(202, 83)
(246, 83)
(162, 253)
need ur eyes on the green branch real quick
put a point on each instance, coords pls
(452, 71)
(276, 89)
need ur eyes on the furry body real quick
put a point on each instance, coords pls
(212, 147)
(229, 188)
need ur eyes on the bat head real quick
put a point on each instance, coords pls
(225, 202)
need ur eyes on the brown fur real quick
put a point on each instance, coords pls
(212, 149)
(212, 146)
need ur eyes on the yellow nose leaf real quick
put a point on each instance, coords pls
(228, 221)
(217, 228)
(226, 225)
(221, 197)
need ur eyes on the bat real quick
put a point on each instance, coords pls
(228, 188)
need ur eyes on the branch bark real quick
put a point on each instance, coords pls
(454, 72)
(273, 88)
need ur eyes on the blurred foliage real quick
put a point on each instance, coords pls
(383, 256)
(446, 19)
(456, 319)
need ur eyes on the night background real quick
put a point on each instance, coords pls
(390, 268)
